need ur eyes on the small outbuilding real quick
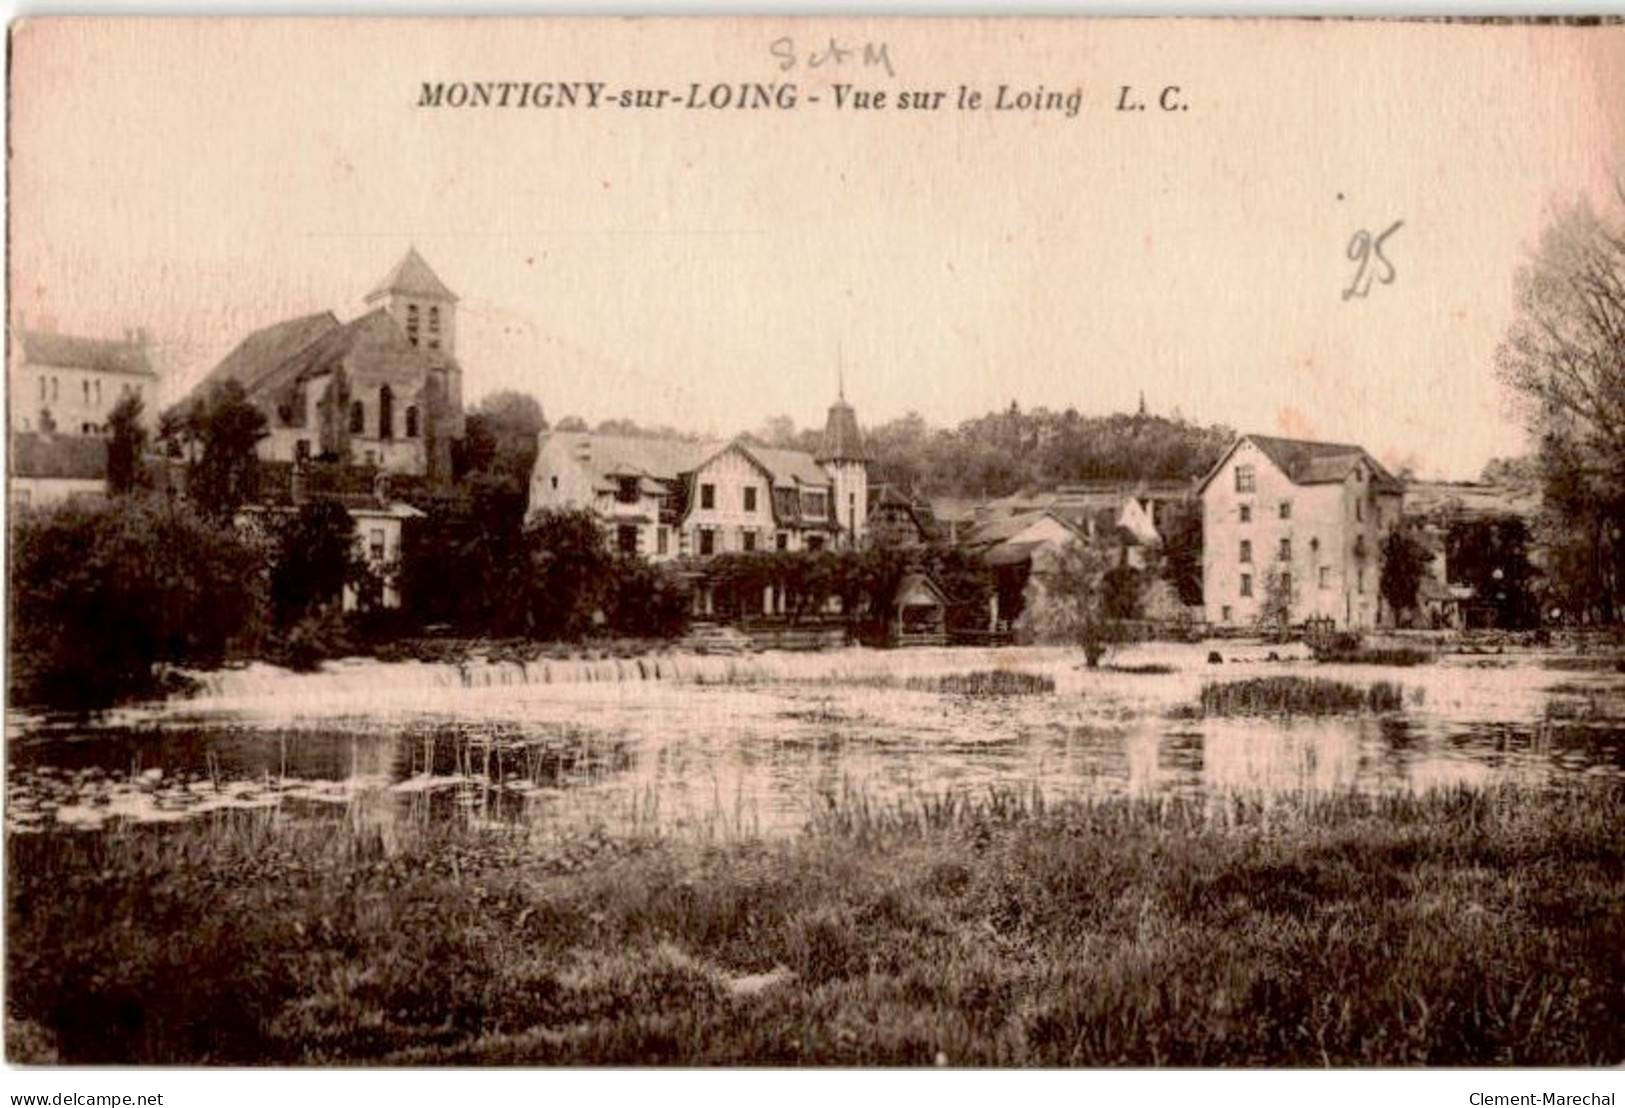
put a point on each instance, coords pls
(919, 615)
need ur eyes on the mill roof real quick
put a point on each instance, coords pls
(1307, 462)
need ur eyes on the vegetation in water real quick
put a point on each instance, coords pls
(986, 682)
(1296, 696)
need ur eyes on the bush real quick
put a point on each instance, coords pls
(103, 592)
(1376, 656)
(647, 600)
(311, 641)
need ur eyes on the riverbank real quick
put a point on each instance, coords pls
(1458, 928)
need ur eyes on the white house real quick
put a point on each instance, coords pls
(69, 385)
(1306, 519)
(668, 498)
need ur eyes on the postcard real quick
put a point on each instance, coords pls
(842, 541)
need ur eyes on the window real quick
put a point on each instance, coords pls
(813, 504)
(98, 392)
(1224, 613)
(815, 542)
(749, 543)
(412, 324)
(301, 451)
(358, 418)
(662, 540)
(1246, 513)
(434, 319)
(1286, 550)
(55, 395)
(1359, 511)
(86, 385)
(42, 396)
(372, 457)
(708, 542)
(782, 541)
(708, 496)
(1245, 479)
(1286, 584)
(626, 538)
(555, 480)
(1325, 577)
(1286, 509)
(386, 412)
(1246, 584)
(1359, 586)
(628, 491)
(750, 498)
(412, 421)
(377, 544)
(1246, 550)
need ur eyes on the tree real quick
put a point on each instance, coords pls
(1492, 557)
(125, 446)
(1182, 551)
(1120, 593)
(509, 411)
(314, 557)
(220, 432)
(1404, 562)
(1280, 600)
(571, 423)
(1564, 359)
(570, 573)
(1068, 602)
(103, 592)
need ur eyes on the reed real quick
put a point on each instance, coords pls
(1296, 696)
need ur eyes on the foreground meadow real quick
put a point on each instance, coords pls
(1458, 927)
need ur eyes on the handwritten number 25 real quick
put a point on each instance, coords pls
(1371, 264)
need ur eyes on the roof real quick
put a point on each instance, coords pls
(916, 589)
(842, 440)
(79, 457)
(412, 277)
(297, 349)
(1470, 500)
(1306, 462)
(660, 458)
(788, 466)
(76, 352)
(255, 361)
(1000, 529)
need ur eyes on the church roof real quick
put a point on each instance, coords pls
(842, 440)
(254, 362)
(75, 352)
(412, 277)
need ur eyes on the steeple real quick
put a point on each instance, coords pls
(412, 278)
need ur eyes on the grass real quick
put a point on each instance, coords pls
(985, 682)
(1314, 696)
(1459, 928)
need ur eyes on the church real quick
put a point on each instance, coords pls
(384, 390)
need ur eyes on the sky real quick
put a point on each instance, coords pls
(712, 269)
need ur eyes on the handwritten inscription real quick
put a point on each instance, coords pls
(1371, 265)
(870, 55)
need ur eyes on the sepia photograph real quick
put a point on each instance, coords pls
(847, 542)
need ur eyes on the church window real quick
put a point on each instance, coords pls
(412, 324)
(86, 385)
(386, 413)
(358, 418)
(434, 319)
(98, 392)
(42, 396)
(411, 421)
(55, 395)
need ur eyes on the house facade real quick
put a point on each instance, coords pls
(1299, 521)
(664, 499)
(69, 385)
(383, 390)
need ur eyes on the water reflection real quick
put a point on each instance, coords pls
(763, 755)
